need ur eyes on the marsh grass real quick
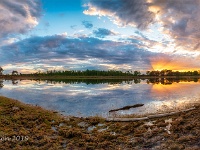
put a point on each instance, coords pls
(41, 129)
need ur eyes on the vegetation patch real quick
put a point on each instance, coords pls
(31, 127)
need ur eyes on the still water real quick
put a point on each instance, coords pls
(98, 97)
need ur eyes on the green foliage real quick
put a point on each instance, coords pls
(166, 72)
(87, 73)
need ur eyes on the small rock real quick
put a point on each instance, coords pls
(91, 128)
(61, 124)
(82, 124)
(15, 108)
(100, 125)
(168, 121)
(112, 133)
(54, 129)
(148, 124)
(168, 126)
(101, 130)
(149, 130)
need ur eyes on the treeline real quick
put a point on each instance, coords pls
(166, 72)
(88, 73)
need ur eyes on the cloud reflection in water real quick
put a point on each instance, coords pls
(83, 99)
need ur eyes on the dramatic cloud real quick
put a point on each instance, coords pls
(18, 16)
(123, 12)
(87, 24)
(76, 53)
(101, 32)
(61, 52)
(178, 19)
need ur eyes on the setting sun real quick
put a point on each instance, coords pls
(175, 65)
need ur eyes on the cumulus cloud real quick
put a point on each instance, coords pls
(178, 19)
(18, 17)
(102, 32)
(87, 24)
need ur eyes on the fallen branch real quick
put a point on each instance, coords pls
(148, 117)
(127, 107)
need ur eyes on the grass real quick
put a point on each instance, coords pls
(24, 126)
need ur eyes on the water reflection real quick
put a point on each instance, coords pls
(1, 84)
(14, 82)
(83, 97)
(89, 81)
(166, 81)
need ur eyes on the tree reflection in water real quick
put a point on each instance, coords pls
(1, 84)
(163, 81)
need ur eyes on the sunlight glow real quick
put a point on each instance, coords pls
(172, 64)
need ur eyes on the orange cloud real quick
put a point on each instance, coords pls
(174, 63)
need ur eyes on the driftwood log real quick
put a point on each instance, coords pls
(127, 107)
(148, 117)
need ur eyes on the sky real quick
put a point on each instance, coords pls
(41, 35)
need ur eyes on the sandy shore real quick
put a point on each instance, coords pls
(25, 126)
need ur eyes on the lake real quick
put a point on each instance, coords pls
(84, 98)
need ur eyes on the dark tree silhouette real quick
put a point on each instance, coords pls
(1, 70)
(14, 72)
(1, 84)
